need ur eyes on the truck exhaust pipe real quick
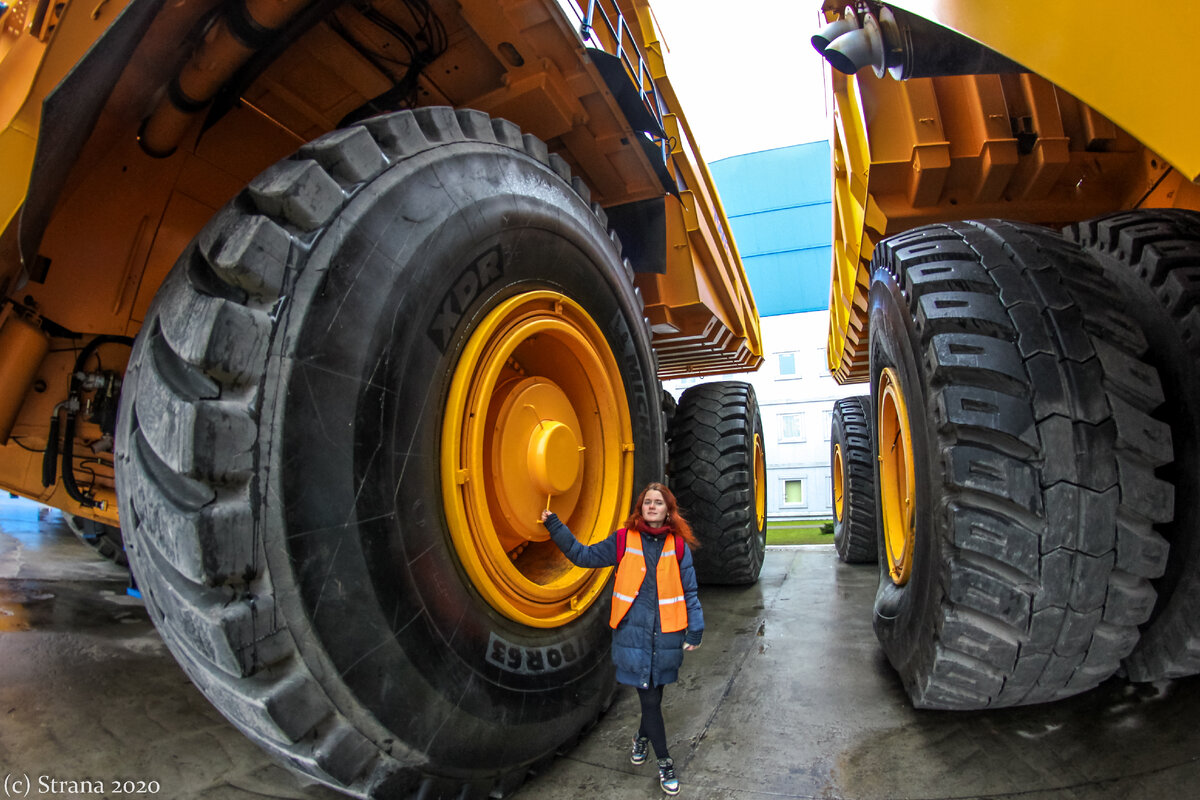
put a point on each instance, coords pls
(891, 40)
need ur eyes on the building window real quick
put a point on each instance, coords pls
(793, 493)
(827, 416)
(791, 427)
(787, 365)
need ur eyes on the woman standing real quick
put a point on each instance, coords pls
(656, 611)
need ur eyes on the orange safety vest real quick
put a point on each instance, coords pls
(672, 608)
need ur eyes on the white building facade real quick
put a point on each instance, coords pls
(795, 397)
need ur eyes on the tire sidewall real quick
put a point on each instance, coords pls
(901, 613)
(758, 536)
(359, 539)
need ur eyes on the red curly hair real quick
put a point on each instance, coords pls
(675, 520)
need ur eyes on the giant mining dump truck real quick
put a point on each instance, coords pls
(315, 305)
(1016, 262)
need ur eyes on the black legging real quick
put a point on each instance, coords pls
(653, 727)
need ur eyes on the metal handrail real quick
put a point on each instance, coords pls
(638, 70)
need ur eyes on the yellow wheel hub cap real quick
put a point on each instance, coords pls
(897, 488)
(536, 418)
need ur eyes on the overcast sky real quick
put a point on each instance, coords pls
(745, 73)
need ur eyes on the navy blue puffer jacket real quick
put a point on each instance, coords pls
(644, 655)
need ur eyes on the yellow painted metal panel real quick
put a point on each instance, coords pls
(1135, 64)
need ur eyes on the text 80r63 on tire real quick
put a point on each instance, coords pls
(350, 400)
(852, 460)
(1016, 476)
(718, 475)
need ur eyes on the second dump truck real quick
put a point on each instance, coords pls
(1016, 254)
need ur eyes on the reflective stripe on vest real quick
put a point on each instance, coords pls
(672, 608)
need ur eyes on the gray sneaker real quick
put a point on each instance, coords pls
(638, 754)
(666, 776)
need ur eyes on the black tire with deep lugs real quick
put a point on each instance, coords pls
(1155, 255)
(279, 446)
(852, 453)
(715, 438)
(1034, 452)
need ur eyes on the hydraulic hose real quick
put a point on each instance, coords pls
(68, 444)
(68, 472)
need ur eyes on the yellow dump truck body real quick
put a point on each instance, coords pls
(1114, 131)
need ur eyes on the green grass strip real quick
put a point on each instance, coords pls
(800, 532)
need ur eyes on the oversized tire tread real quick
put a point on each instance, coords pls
(1041, 558)
(854, 534)
(712, 474)
(1155, 254)
(187, 455)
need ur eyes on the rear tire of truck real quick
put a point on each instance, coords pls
(718, 475)
(1155, 255)
(1017, 458)
(346, 408)
(104, 539)
(852, 460)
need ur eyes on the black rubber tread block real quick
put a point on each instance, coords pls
(350, 156)
(231, 631)
(249, 252)
(199, 540)
(224, 339)
(300, 193)
(205, 438)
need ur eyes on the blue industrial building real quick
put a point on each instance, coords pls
(780, 207)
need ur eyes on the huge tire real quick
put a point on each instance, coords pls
(1156, 256)
(346, 408)
(852, 463)
(1016, 468)
(718, 475)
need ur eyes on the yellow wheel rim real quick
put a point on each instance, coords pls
(760, 483)
(536, 418)
(839, 483)
(896, 480)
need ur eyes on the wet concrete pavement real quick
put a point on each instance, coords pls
(789, 697)
(88, 691)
